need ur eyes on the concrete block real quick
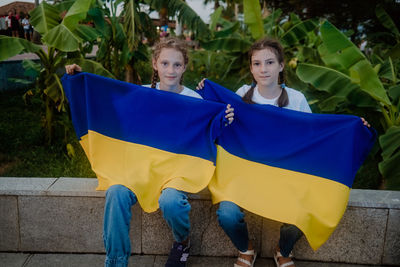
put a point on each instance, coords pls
(357, 239)
(200, 217)
(13, 259)
(374, 198)
(25, 186)
(135, 232)
(61, 224)
(270, 237)
(66, 260)
(9, 230)
(216, 243)
(75, 187)
(392, 240)
(68, 224)
(156, 235)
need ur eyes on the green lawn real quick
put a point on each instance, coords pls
(23, 150)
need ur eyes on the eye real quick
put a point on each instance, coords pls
(270, 62)
(178, 65)
(256, 63)
(164, 64)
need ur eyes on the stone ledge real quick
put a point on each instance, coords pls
(36, 210)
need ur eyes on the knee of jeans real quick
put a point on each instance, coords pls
(173, 203)
(120, 193)
(229, 216)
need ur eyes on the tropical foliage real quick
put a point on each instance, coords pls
(322, 61)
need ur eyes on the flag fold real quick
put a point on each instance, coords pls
(142, 138)
(286, 165)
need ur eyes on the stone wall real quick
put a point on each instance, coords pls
(64, 215)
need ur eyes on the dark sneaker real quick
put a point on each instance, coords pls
(178, 255)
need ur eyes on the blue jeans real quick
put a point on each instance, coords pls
(117, 216)
(231, 219)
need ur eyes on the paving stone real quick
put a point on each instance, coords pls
(217, 243)
(9, 231)
(141, 261)
(357, 239)
(392, 244)
(13, 259)
(24, 186)
(66, 260)
(75, 187)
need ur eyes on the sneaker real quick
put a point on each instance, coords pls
(178, 255)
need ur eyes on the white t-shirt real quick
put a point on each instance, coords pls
(297, 100)
(25, 22)
(186, 91)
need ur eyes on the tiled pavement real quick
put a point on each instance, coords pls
(93, 260)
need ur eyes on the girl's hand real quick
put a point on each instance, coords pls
(201, 84)
(229, 113)
(70, 69)
(365, 122)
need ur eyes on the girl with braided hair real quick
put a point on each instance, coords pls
(169, 61)
(266, 58)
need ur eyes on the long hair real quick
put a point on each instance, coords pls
(170, 42)
(277, 49)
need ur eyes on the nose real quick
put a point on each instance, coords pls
(171, 68)
(264, 68)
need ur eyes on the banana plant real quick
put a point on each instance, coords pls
(350, 79)
(61, 38)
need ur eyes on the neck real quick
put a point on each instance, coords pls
(269, 92)
(176, 88)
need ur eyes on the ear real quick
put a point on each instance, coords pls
(282, 65)
(184, 68)
(154, 63)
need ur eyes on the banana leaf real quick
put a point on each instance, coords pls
(228, 31)
(252, 17)
(298, 32)
(44, 18)
(390, 167)
(62, 38)
(11, 46)
(214, 18)
(341, 51)
(76, 13)
(326, 79)
(129, 23)
(387, 21)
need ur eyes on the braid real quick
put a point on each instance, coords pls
(154, 79)
(248, 96)
(283, 99)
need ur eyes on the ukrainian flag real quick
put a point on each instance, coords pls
(143, 138)
(286, 165)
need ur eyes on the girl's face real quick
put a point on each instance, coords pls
(170, 66)
(265, 67)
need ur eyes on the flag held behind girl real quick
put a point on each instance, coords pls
(142, 138)
(289, 166)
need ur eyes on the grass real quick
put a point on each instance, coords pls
(23, 150)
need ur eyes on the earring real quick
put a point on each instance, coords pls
(283, 86)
